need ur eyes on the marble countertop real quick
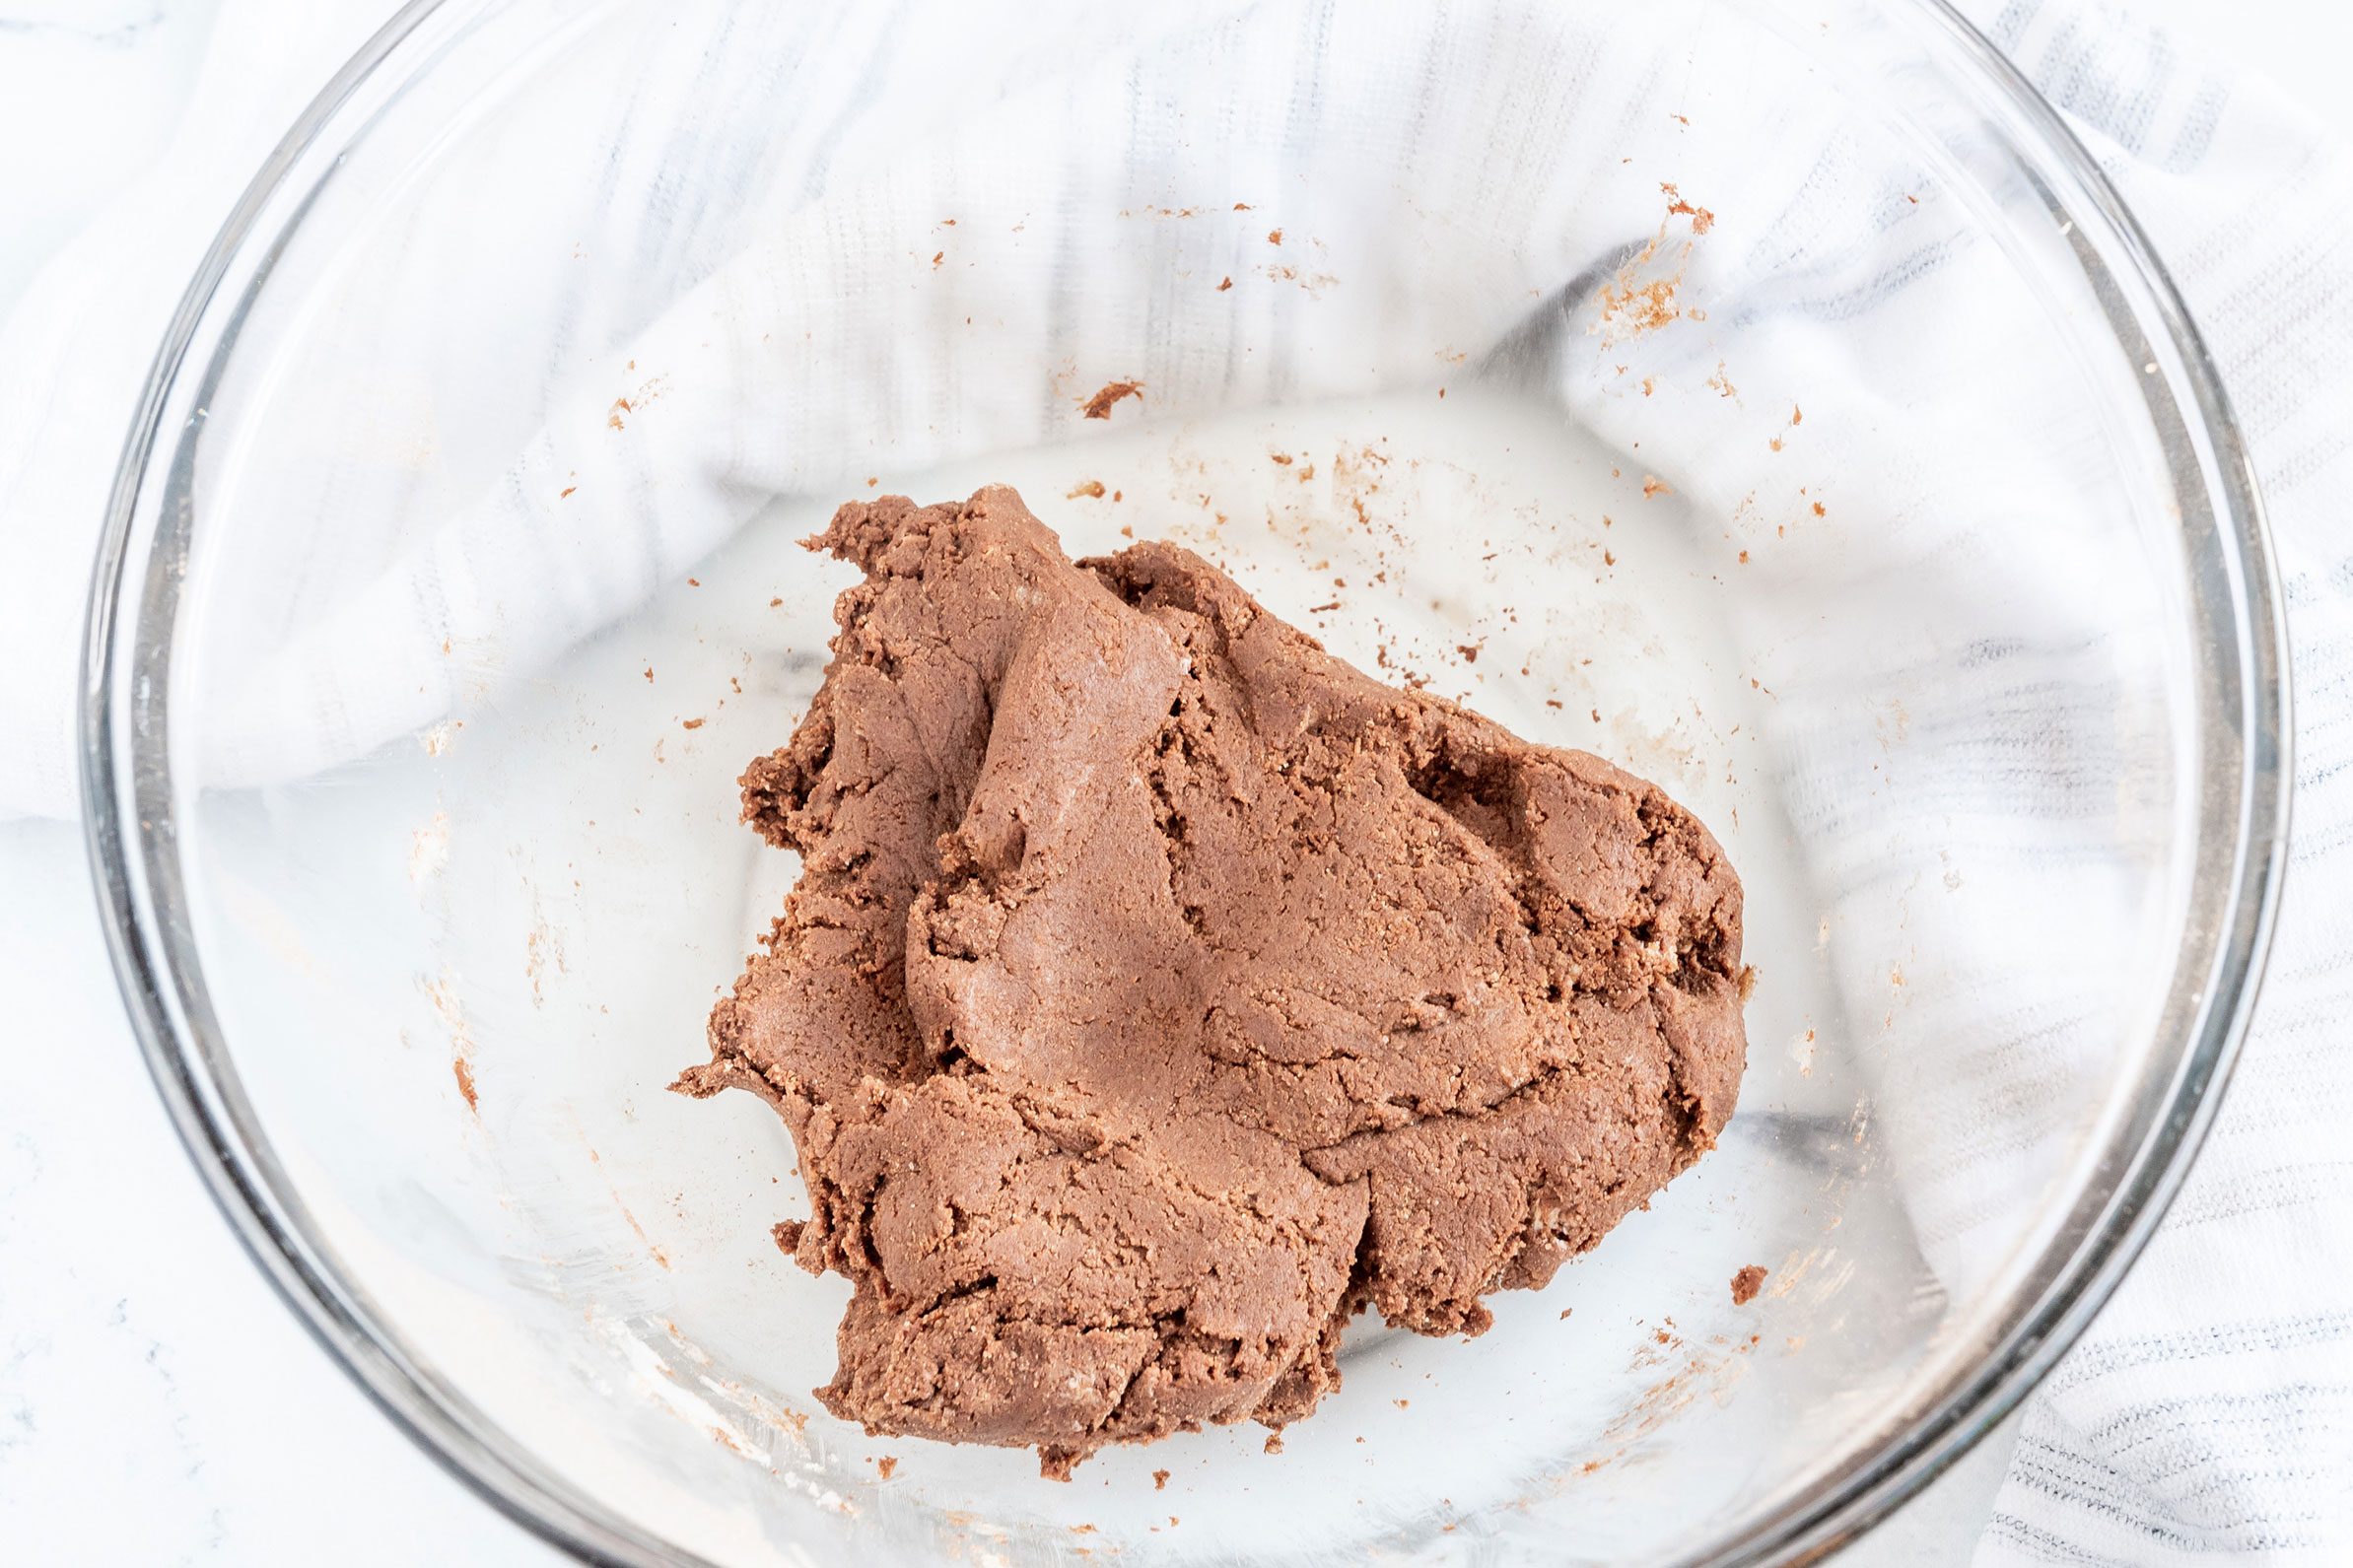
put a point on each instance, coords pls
(158, 1405)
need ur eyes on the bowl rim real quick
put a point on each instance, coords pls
(153, 960)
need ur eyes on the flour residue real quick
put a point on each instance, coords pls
(429, 847)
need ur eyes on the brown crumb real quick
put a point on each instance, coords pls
(1274, 1443)
(1774, 444)
(884, 1465)
(1745, 1285)
(566, 492)
(1820, 510)
(1224, 284)
(1701, 218)
(937, 256)
(648, 672)
(1099, 405)
(1744, 558)
(1402, 1403)
(691, 723)
(1159, 1480)
(1553, 702)
(1797, 415)
(773, 604)
(1469, 651)
(465, 1082)
(1564, 1312)
(1279, 457)
(1239, 206)
(1652, 485)
(1086, 487)
(1273, 236)
(872, 480)
(694, 583)
(1629, 308)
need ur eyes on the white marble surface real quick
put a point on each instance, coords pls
(158, 1405)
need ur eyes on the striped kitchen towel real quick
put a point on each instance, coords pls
(2209, 1412)
(2207, 1415)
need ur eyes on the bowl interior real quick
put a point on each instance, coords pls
(1725, 392)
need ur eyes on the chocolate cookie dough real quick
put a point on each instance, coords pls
(1159, 991)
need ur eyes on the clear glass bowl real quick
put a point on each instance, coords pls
(1823, 442)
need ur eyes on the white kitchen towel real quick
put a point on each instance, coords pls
(2198, 1416)
(2207, 1416)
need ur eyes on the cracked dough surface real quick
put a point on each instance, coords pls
(1159, 991)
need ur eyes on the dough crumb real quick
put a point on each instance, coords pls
(1745, 1285)
(1099, 405)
